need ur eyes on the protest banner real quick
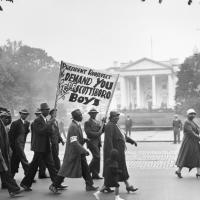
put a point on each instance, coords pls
(83, 88)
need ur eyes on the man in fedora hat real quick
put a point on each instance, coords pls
(42, 167)
(18, 133)
(41, 147)
(94, 131)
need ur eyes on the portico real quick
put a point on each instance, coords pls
(146, 84)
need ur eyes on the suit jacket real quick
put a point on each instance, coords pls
(91, 128)
(71, 166)
(41, 131)
(55, 134)
(18, 132)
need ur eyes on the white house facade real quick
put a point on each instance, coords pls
(145, 84)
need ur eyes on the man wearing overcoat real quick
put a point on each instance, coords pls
(116, 139)
(93, 130)
(17, 134)
(74, 163)
(5, 152)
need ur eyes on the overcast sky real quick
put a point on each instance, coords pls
(95, 33)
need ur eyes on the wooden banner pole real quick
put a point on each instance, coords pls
(57, 91)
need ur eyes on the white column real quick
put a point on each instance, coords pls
(123, 91)
(138, 91)
(127, 93)
(170, 91)
(153, 78)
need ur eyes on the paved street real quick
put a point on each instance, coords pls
(151, 168)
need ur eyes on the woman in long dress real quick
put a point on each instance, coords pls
(189, 153)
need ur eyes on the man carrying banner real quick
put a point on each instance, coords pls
(94, 131)
(74, 162)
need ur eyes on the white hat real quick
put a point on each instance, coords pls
(190, 111)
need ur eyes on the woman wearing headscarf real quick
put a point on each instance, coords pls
(116, 139)
(189, 153)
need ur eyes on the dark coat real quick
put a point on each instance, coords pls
(189, 154)
(115, 139)
(91, 128)
(4, 148)
(55, 134)
(40, 135)
(18, 133)
(112, 173)
(71, 166)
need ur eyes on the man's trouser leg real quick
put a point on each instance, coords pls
(42, 168)
(129, 131)
(14, 163)
(178, 137)
(174, 137)
(94, 165)
(58, 180)
(86, 171)
(33, 166)
(55, 154)
(48, 160)
(10, 182)
(22, 157)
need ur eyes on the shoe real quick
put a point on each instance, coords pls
(62, 187)
(178, 174)
(43, 176)
(26, 188)
(131, 189)
(96, 195)
(197, 175)
(34, 181)
(106, 189)
(91, 188)
(97, 177)
(118, 198)
(53, 189)
(13, 194)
